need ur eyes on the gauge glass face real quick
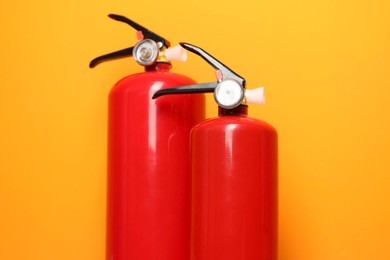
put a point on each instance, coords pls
(146, 52)
(229, 93)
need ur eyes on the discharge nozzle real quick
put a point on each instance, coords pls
(255, 96)
(176, 53)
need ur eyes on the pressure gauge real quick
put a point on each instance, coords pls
(145, 52)
(229, 94)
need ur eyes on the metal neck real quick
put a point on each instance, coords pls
(241, 110)
(159, 66)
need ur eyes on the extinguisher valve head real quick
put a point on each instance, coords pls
(176, 53)
(146, 51)
(255, 96)
(229, 90)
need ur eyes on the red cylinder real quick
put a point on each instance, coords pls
(234, 197)
(148, 167)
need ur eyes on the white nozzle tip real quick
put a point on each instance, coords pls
(255, 96)
(177, 53)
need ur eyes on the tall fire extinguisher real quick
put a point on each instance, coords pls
(234, 173)
(148, 154)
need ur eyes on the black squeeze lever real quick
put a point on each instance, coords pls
(223, 73)
(146, 34)
(226, 72)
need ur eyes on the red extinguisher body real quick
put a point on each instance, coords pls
(234, 169)
(148, 167)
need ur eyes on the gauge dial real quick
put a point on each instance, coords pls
(146, 52)
(229, 94)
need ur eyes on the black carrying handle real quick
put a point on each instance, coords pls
(112, 56)
(147, 34)
(189, 89)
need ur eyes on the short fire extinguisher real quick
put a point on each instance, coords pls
(234, 173)
(148, 154)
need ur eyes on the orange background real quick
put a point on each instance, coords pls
(325, 66)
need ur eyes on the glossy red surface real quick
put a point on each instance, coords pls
(234, 211)
(148, 167)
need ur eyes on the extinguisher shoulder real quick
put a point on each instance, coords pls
(207, 124)
(263, 126)
(129, 81)
(144, 81)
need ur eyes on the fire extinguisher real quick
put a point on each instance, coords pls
(148, 211)
(234, 173)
